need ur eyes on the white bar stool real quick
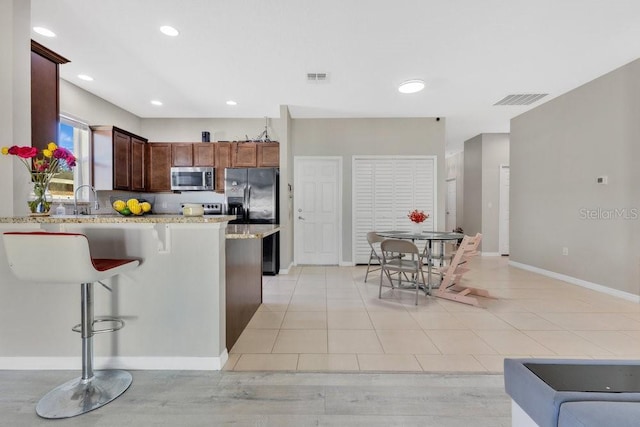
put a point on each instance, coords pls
(25, 252)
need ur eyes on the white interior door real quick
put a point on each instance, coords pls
(451, 219)
(317, 207)
(503, 215)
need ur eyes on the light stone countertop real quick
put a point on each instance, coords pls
(233, 231)
(116, 219)
(251, 231)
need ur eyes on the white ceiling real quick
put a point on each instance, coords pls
(257, 52)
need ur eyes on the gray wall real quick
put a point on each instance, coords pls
(472, 186)
(381, 136)
(483, 156)
(93, 110)
(190, 130)
(495, 152)
(15, 108)
(557, 151)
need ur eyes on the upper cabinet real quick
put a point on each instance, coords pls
(158, 167)
(204, 154)
(223, 160)
(118, 159)
(268, 155)
(193, 154)
(45, 105)
(221, 155)
(181, 154)
(138, 166)
(255, 154)
(244, 155)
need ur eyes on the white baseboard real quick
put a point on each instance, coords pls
(346, 264)
(574, 281)
(286, 270)
(118, 362)
(490, 254)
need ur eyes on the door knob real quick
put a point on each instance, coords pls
(300, 218)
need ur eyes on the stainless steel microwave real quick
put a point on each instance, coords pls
(193, 178)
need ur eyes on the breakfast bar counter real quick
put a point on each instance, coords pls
(173, 304)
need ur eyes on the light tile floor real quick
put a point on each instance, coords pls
(328, 319)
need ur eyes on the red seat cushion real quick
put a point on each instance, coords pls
(104, 264)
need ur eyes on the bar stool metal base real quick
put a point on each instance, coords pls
(80, 396)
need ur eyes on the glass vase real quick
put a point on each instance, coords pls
(40, 199)
(416, 227)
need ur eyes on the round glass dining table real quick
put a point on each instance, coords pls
(429, 237)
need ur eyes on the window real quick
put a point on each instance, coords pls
(74, 136)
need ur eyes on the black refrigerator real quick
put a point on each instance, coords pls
(252, 195)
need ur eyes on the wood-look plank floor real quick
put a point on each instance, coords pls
(193, 398)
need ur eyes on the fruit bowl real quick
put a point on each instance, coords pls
(131, 205)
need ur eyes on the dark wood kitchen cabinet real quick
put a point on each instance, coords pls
(204, 154)
(158, 167)
(118, 159)
(223, 161)
(268, 154)
(138, 171)
(244, 155)
(45, 95)
(181, 154)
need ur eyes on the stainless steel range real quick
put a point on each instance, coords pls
(209, 208)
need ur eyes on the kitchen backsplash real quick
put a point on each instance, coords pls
(164, 203)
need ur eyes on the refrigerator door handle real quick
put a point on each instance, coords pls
(248, 202)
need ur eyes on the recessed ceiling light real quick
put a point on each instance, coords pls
(44, 31)
(231, 102)
(156, 102)
(411, 86)
(169, 30)
(85, 77)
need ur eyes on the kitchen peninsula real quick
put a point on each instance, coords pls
(174, 304)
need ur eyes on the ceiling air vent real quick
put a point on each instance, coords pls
(521, 99)
(317, 77)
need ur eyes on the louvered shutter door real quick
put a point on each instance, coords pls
(363, 202)
(385, 190)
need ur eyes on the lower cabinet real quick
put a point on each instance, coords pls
(243, 285)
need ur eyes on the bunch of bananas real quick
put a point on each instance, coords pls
(131, 207)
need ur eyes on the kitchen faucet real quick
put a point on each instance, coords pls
(96, 205)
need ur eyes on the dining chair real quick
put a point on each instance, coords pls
(402, 257)
(374, 241)
(375, 255)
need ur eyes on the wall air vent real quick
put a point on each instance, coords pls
(521, 99)
(317, 77)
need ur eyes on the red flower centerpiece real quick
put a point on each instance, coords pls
(52, 161)
(417, 216)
